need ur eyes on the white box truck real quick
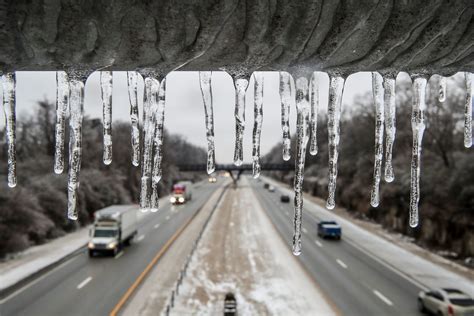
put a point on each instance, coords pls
(114, 226)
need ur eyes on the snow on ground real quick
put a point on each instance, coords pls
(420, 270)
(241, 252)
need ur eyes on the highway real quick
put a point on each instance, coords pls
(353, 280)
(93, 286)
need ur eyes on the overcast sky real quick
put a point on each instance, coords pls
(184, 107)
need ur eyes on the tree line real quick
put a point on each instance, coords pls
(447, 170)
(35, 211)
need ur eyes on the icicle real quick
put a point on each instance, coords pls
(442, 88)
(157, 144)
(336, 88)
(9, 105)
(106, 92)
(132, 80)
(390, 110)
(258, 119)
(76, 110)
(468, 110)
(285, 97)
(150, 105)
(62, 101)
(313, 146)
(206, 92)
(302, 136)
(418, 128)
(378, 93)
(240, 88)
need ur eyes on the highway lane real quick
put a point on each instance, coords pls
(356, 282)
(93, 286)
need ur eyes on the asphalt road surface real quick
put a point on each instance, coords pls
(355, 282)
(93, 286)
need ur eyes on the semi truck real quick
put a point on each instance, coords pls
(181, 192)
(114, 226)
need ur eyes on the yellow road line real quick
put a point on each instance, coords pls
(148, 268)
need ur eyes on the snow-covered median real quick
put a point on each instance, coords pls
(242, 253)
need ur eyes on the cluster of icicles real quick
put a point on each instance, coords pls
(70, 105)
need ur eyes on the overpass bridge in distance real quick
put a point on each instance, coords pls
(239, 169)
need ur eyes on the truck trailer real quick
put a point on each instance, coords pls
(114, 226)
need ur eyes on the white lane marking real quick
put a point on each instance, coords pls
(167, 218)
(318, 243)
(119, 255)
(84, 283)
(383, 298)
(140, 238)
(21, 290)
(341, 263)
(304, 231)
(156, 226)
(385, 264)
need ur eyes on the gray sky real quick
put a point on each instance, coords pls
(184, 108)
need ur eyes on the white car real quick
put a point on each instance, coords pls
(446, 302)
(271, 188)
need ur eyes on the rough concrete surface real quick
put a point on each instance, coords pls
(341, 36)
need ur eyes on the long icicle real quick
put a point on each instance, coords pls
(9, 109)
(258, 120)
(132, 82)
(76, 112)
(313, 146)
(62, 101)
(285, 97)
(378, 92)
(468, 110)
(418, 128)
(302, 136)
(240, 88)
(390, 125)
(443, 82)
(106, 93)
(336, 89)
(150, 105)
(157, 171)
(206, 92)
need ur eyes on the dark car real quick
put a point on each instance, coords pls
(266, 185)
(329, 229)
(284, 198)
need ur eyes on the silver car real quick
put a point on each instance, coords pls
(446, 302)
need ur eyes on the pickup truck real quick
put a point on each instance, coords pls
(114, 226)
(329, 229)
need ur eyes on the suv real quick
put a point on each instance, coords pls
(446, 302)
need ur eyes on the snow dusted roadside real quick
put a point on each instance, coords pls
(241, 252)
(424, 268)
(34, 259)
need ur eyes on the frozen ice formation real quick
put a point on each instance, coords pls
(258, 120)
(468, 110)
(418, 128)
(390, 127)
(9, 106)
(206, 91)
(336, 88)
(76, 112)
(315, 100)
(106, 94)
(132, 82)
(286, 101)
(240, 89)
(302, 136)
(378, 92)
(62, 103)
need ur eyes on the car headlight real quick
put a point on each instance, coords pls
(111, 245)
(181, 200)
(90, 245)
(172, 199)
